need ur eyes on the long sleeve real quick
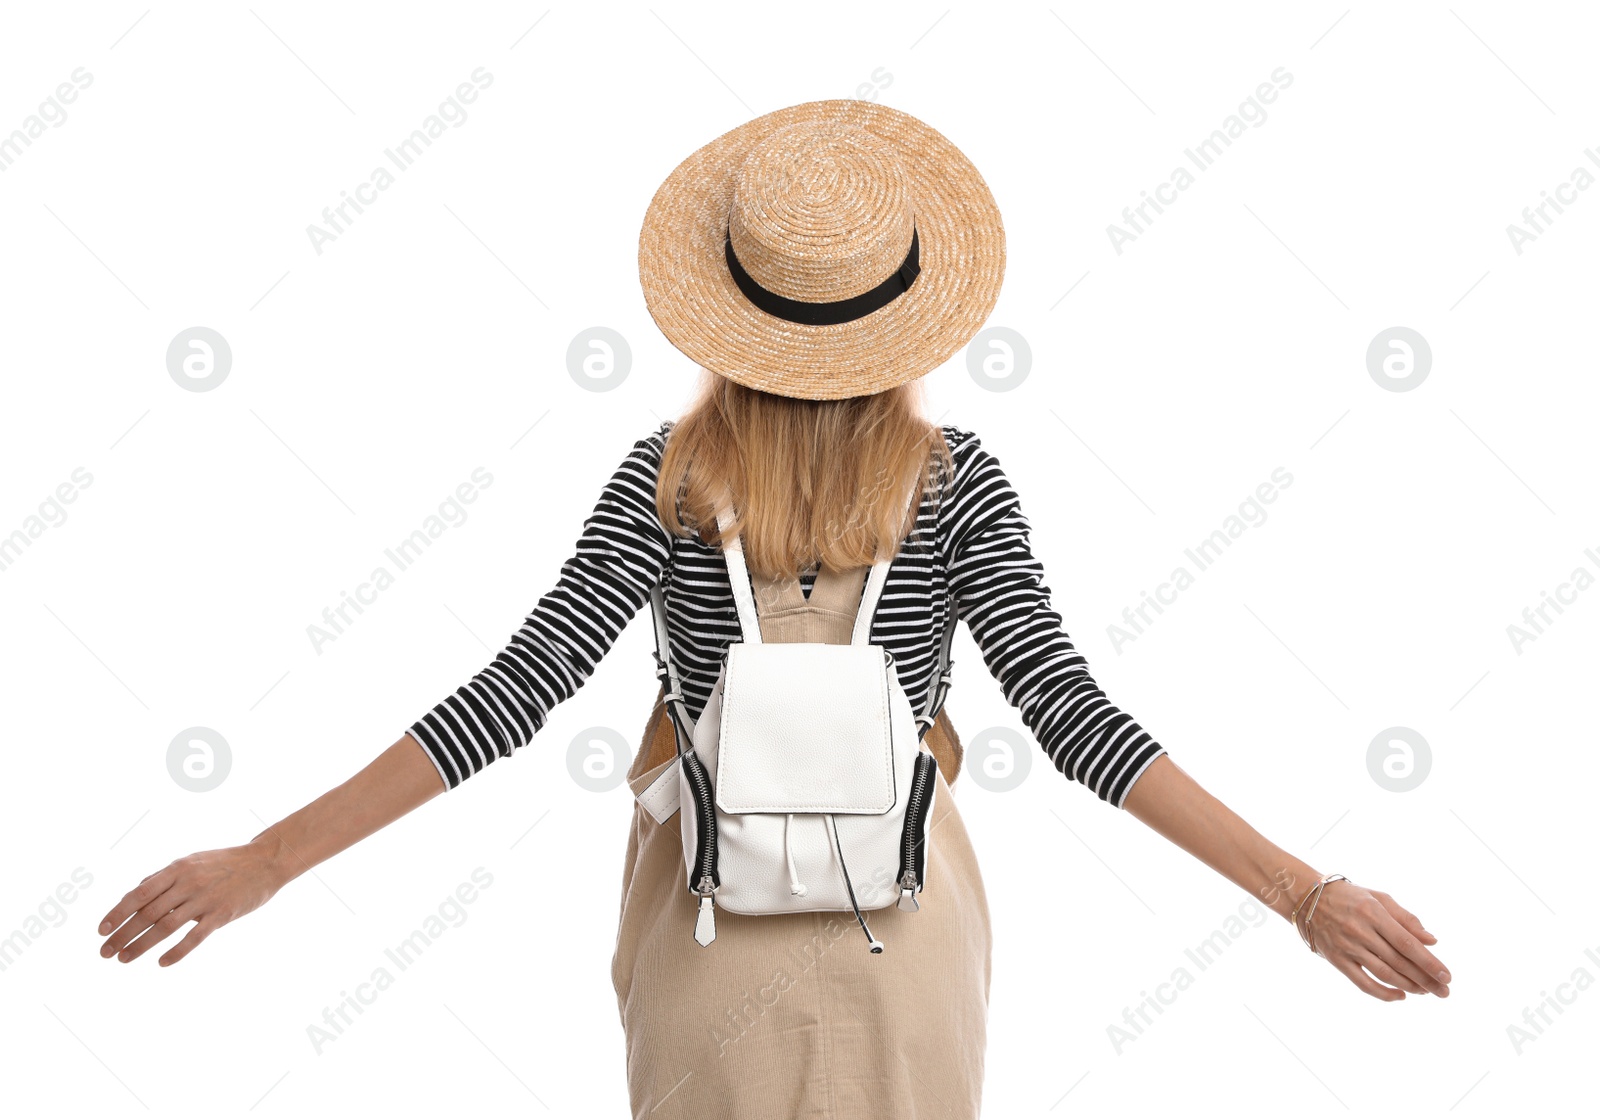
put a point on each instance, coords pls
(619, 557)
(999, 589)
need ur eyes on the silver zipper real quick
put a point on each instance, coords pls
(914, 829)
(908, 892)
(705, 924)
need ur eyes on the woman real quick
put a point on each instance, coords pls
(815, 262)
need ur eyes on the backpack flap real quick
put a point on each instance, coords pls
(805, 728)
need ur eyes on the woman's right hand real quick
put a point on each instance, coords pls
(1367, 934)
(210, 889)
(213, 888)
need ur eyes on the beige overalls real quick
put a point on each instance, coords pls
(789, 1016)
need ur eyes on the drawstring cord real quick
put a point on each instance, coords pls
(838, 850)
(796, 887)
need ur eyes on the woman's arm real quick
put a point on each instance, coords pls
(998, 587)
(618, 558)
(1354, 928)
(213, 888)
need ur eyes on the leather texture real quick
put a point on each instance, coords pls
(805, 729)
(657, 789)
(812, 746)
(753, 849)
(656, 785)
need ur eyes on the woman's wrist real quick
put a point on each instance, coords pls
(276, 855)
(1284, 883)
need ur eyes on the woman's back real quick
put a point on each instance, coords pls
(969, 555)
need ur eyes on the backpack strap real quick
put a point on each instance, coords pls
(744, 598)
(739, 578)
(744, 601)
(941, 680)
(661, 797)
(876, 579)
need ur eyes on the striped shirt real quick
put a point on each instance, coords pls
(969, 551)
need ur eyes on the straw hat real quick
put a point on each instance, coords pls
(830, 249)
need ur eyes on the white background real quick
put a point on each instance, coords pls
(430, 339)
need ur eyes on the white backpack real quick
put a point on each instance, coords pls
(805, 783)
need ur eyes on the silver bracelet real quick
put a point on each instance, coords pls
(1308, 937)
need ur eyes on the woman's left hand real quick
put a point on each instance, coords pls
(1361, 931)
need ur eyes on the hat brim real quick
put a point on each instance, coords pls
(695, 302)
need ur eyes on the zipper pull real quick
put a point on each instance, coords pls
(908, 893)
(705, 924)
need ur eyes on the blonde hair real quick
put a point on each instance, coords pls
(811, 481)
